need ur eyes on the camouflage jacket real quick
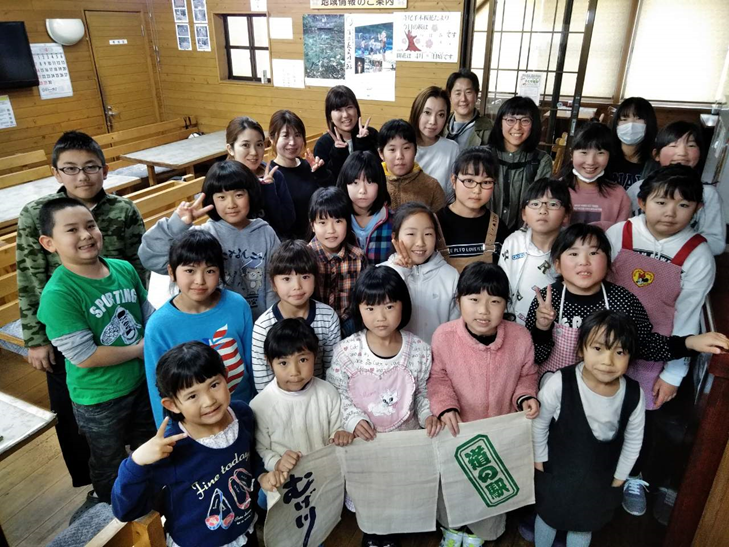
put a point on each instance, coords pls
(122, 227)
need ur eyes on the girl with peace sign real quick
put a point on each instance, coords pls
(346, 132)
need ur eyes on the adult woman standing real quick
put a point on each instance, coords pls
(465, 125)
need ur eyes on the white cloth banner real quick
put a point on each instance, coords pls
(394, 483)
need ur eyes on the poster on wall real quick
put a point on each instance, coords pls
(183, 37)
(7, 117)
(179, 9)
(288, 73)
(358, 4)
(369, 56)
(324, 63)
(427, 36)
(50, 64)
(199, 11)
(530, 85)
(202, 38)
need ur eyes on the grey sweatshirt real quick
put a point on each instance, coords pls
(246, 253)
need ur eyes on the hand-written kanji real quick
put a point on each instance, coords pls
(307, 512)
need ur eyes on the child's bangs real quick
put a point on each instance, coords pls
(332, 209)
(339, 99)
(610, 328)
(479, 277)
(594, 136)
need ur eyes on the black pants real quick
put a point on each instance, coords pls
(74, 448)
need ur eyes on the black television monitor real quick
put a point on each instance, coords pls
(17, 68)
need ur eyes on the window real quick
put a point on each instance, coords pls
(246, 47)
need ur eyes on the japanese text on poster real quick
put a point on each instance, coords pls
(7, 118)
(50, 64)
(427, 36)
(369, 56)
(358, 4)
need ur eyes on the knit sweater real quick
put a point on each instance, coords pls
(415, 186)
(481, 381)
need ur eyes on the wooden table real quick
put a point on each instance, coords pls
(565, 113)
(185, 154)
(20, 423)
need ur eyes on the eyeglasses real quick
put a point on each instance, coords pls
(88, 169)
(524, 122)
(471, 184)
(552, 204)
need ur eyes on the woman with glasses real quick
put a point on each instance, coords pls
(466, 126)
(514, 139)
(471, 231)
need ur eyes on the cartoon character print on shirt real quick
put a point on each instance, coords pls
(386, 405)
(228, 350)
(122, 324)
(247, 271)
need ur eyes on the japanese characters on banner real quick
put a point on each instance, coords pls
(486, 471)
(50, 64)
(369, 56)
(427, 36)
(358, 4)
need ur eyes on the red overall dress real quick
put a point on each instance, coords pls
(657, 285)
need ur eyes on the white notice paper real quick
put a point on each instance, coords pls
(427, 36)
(202, 38)
(259, 5)
(281, 28)
(7, 118)
(288, 73)
(530, 85)
(50, 64)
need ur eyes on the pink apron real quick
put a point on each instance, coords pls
(657, 285)
(386, 398)
(564, 352)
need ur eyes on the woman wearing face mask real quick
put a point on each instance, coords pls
(634, 131)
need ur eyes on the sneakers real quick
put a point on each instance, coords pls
(470, 540)
(665, 500)
(451, 538)
(634, 490)
(91, 500)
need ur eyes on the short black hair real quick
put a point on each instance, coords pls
(668, 180)
(228, 175)
(462, 73)
(394, 129)
(641, 108)
(197, 247)
(517, 106)
(592, 136)
(410, 208)
(481, 276)
(332, 202)
(539, 188)
(377, 285)
(677, 130)
(185, 365)
(618, 327)
(478, 161)
(76, 140)
(582, 233)
(367, 164)
(290, 336)
(47, 214)
(339, 96)
(293, 255)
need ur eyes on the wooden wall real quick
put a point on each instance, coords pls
(40, 122)
(190, 84)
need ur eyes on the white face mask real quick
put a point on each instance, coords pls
(631, 133)
(585, 179)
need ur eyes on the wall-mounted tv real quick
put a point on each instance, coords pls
(17, 68)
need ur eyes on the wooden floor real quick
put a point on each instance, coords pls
(37, 499)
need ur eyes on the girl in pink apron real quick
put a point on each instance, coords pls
(381, 371)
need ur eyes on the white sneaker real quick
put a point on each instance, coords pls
(634, 490)
(452, 538)
(472, 541)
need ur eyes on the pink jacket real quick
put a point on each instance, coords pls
(481, 381)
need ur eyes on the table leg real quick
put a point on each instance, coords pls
(152, 175)
(190, 170)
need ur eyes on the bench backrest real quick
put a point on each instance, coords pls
(21, 168)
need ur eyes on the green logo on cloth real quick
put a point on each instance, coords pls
(486, 470)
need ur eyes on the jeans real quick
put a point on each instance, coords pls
(109, 427)
(544, 536)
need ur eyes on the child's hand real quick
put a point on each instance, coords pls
(531, 406)
(287, 462)
(190, 212)
(711, 342)
(342, 438)
(452, 419)
(268, 174)
(433, 426)
(545, 311)
(271, 481)
(662, 393)
(365, 431)
(314, 162)
(363, 131)
(539, 466)
(339, 142)
(403, 257)
(158, 447)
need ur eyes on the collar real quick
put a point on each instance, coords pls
(405, 178)
(326, 255)
(309, 317)
(469, 340)
(97, 198)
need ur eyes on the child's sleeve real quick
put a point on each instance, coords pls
(333, 337)
(154, 348)
(155, 248)
(66, 323)
(423, 364)
(134, 230)
(145, 305)
(271, 296)
(711, 223)
(550, 398)
(269, 457)
(527, 383)
(247, 421)
(262, 373)
(441, 394)
(278, 205)
(335, 414)
(336, 375)
(246, 389)
(543, 341)
(454, 312)
(133, 491)
(632, 441)
(615, 236)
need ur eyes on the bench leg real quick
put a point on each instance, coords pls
(190, 170)
(152, 175)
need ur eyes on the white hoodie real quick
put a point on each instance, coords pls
(526, 266)
(432, 288)
(697, 278)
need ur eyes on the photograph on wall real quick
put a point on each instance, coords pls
(324, 63)
(370, 57)
(179, 4)
(202, 38)
(199, 11)
(180, 15)
(183, 37)
(427, 36)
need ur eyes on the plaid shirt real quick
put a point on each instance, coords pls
(379, 241)
(337, 275)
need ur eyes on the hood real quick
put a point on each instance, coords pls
(428, 270)
(221, 226)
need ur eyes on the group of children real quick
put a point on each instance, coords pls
(419, 302)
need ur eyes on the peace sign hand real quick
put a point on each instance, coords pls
(545, 311)
(363, 131)
(190, 212)
(268, 174)
(339, 142)
(314, 162)
(403, 256)
(158, 447)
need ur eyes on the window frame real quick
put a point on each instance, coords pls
(251, 48)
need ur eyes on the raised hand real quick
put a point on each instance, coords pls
(339, 142)
(158, 447)
(314, 162)
(190, 212)
(268, 174)
(403, 256)
(363, 131)
(545, 311)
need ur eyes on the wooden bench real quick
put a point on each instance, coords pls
(22, 168)
(144, 532)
